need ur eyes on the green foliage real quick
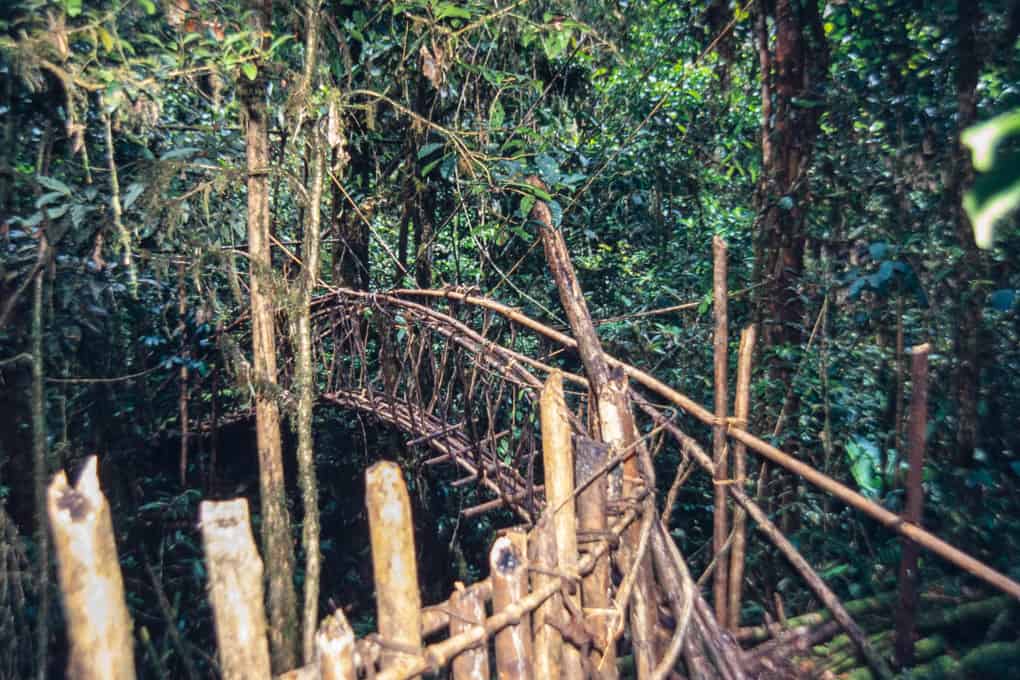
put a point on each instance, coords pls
(996, 193)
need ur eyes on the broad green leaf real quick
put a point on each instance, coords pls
(105, 38)
(984, 139)
(496, 115)
(180, 153)
(132, 194)
(1003, 299)
(994, 196)
(149, 6)
(527, 203)
(53, 184)
(428, 148)
(249, 70)
(72, 7)
(446, 10)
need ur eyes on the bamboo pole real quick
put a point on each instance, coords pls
(548, 643)
(796, 560)
(235, 589)
(91, 584)
(558, 465)
(907, 610)
(616, 423)
(741, 411)
(398, 601)
(334, 645)
(508, 567)
(468, 612)
(590, 457)
(888, 519)
(720, 521)
(438, 654)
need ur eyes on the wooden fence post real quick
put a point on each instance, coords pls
(906, 612)
(398, 600)
(334, 644)
(558, 464)
(468, 611)
(548, 648)
(741, 411)
(508, 568)
(592, 525)
(235, 589)
(719, 444)
(91, 584)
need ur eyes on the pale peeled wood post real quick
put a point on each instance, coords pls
(334, 645)
(592, 521)
(741, 411)
(548, 644)
(235, 589)
(394, 565)
(91, 584)
(468, 611)
(907, 610)
(508, 568)
(720, 521)
(558, 463)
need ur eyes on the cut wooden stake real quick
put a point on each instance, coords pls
(558, 464)
(91, 584)
(508, 568)
(720, 521)
(235, 589)
(590, 457)
(398, 601)
(334, 645)
(468, 611)
(741, 411)
(548, 647)
(616, 421)
(907, 610)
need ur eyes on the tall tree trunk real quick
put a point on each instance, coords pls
(967, 379)
(304, 369)
(792, 69)
(277, 545)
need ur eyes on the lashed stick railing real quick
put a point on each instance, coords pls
(890, 520)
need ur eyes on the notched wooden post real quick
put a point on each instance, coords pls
(508, 568)
(91, 584)
(906, 612)
(334, 645)
(558, 463)
(542, 563)
(235, 589)
(592, 525)
(393, 561)
(468, 611)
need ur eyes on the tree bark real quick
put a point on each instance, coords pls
(792, 71)
(277, 545)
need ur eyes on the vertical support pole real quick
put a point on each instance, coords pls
(719, 444)
(398, 601)
(91, 584)
(508, 568)
(468, 612)
(334, 644)
(592, 522)
(558, 463)
(548, 647)
(741, 411)
(235, 589)
(906, 612)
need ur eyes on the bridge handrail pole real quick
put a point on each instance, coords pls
(891, 521)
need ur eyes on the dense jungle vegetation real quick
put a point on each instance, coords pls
(179, 179)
